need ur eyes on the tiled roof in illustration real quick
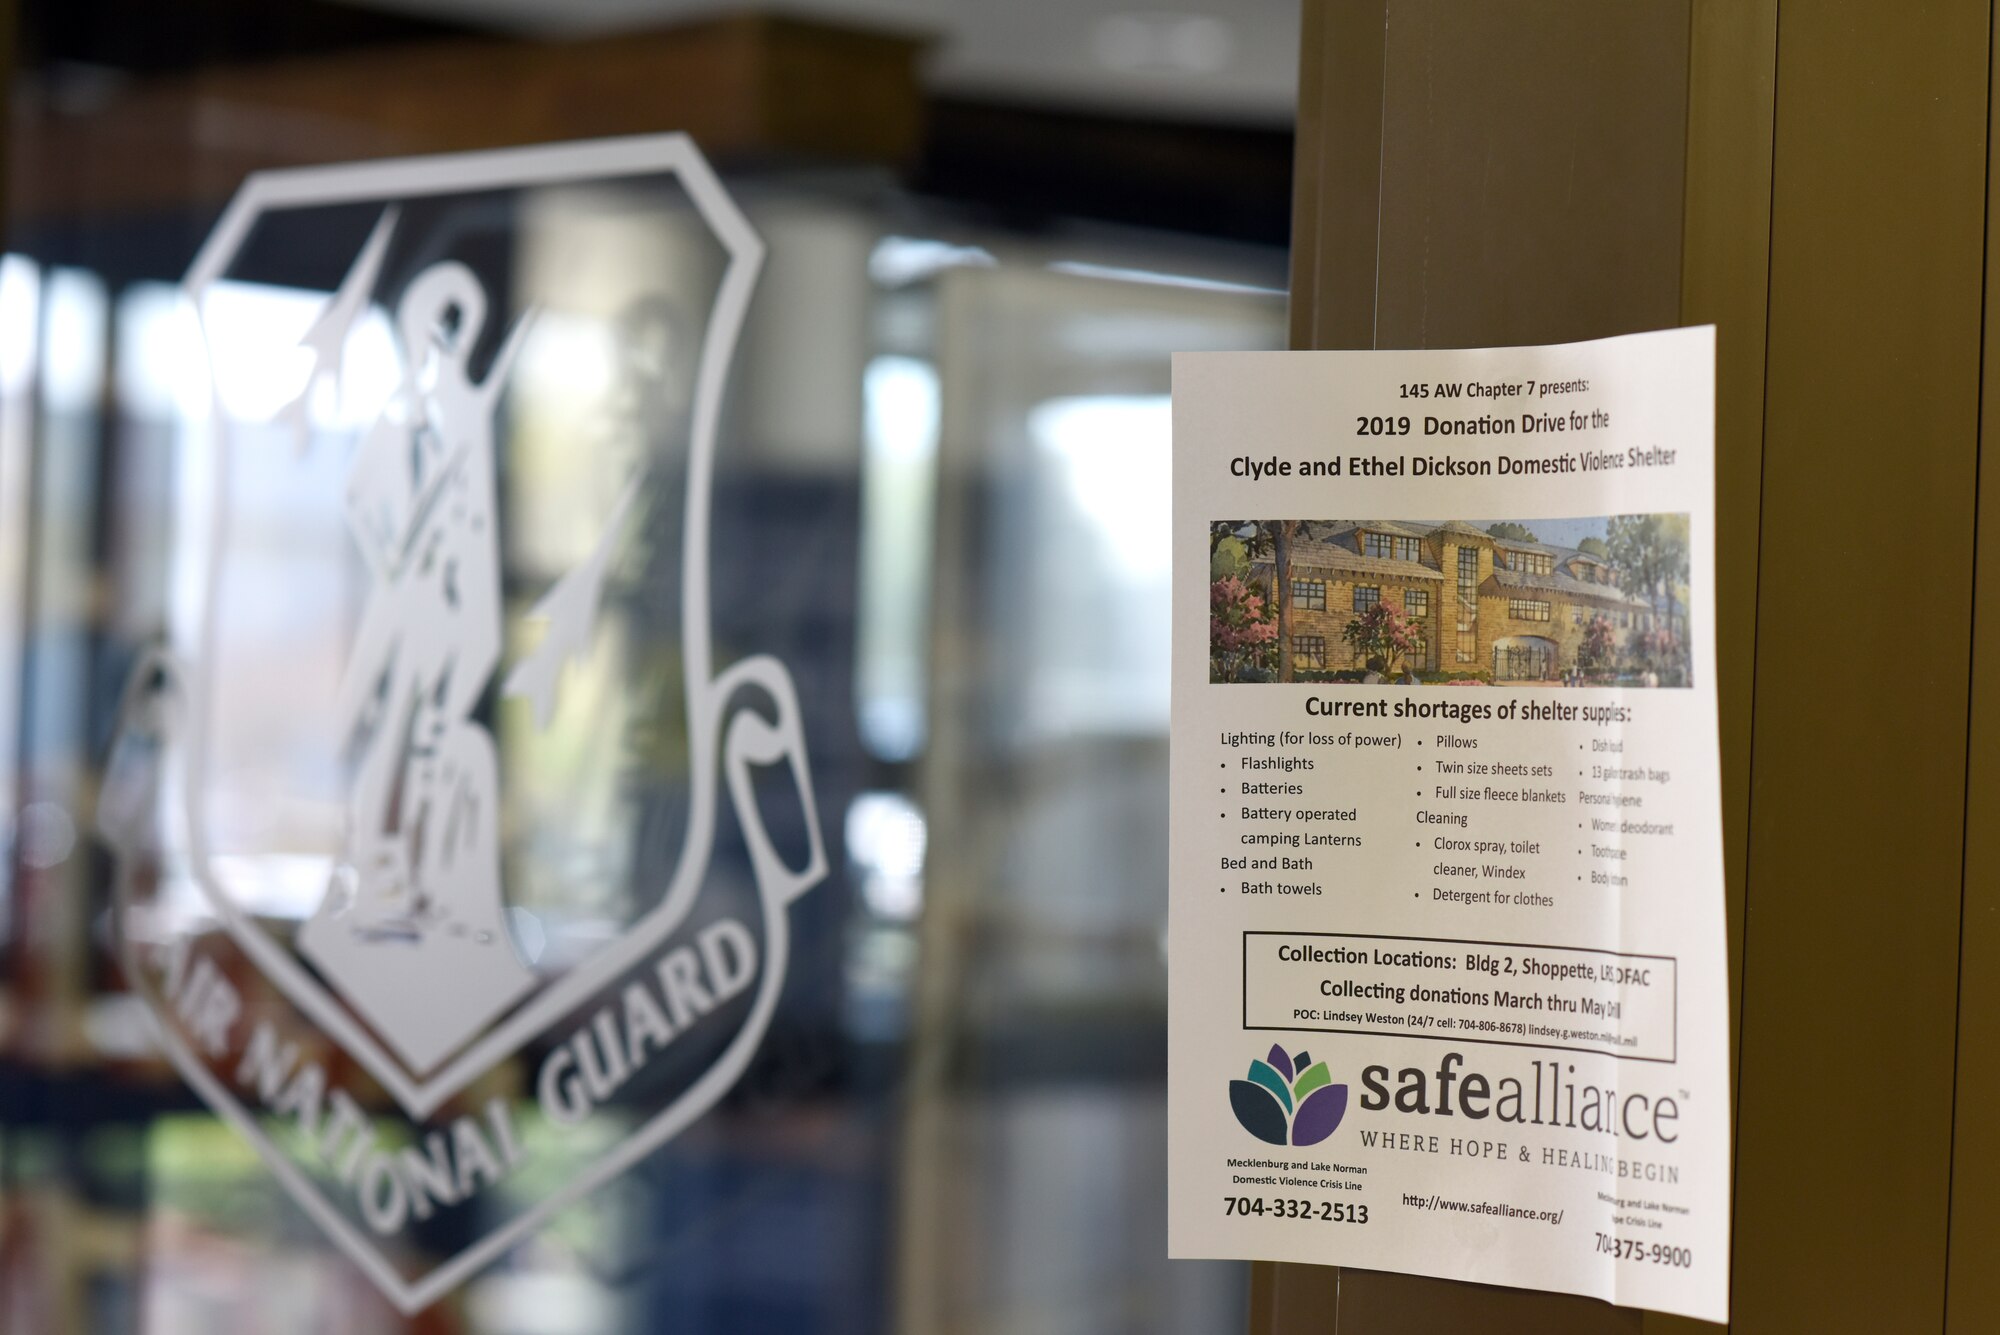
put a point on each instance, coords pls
(1335, 547)
(1458, 528)
(1327, 556)
(1569, 587)
(1395, 526)
(1339, 548)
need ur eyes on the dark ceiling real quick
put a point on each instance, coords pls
(1024, 162)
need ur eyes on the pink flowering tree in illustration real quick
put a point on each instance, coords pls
(1269, 542)
(1598, 653)
(1663, 653)
(1242, 631)
(1384, 632)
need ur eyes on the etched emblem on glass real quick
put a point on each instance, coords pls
(432, 764)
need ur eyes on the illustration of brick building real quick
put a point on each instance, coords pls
(1512, 610)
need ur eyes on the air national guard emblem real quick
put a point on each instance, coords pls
(413, 810)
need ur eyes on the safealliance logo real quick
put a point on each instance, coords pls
(1288, 1099)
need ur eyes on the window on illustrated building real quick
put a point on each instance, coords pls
(1468, 596)
(1389, 546)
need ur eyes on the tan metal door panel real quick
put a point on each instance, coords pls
(1818, 188)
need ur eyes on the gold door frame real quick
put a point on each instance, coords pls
(1815, 180)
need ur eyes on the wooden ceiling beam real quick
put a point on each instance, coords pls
(749, 87)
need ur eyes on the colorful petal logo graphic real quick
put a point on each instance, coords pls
(1288, 1099)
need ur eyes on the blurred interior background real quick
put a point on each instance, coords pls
(943, 504)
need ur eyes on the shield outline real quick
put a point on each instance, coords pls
(712, 748)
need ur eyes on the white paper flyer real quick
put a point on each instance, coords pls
(1449, 992)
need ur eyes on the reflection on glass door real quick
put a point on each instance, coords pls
(942, 502)
(1033, 1198)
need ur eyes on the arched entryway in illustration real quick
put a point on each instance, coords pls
(1524, 658)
